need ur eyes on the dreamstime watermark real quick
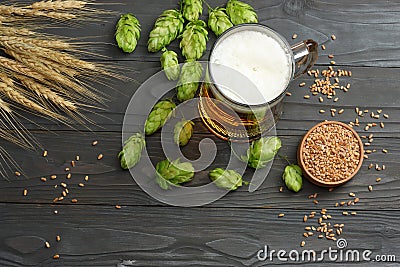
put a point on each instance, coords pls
(157, 88)
(338, 254)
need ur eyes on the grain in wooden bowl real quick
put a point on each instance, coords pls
(330, 154)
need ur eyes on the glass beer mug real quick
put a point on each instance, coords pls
(248, 73)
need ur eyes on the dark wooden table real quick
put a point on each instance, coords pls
(230, 231)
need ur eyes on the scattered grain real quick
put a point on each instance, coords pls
(303, 243)
(333, 37)
(323, 47)
(100, 156)
(58, 238)
(321, 111)
(17, 173)
(47, 244)
(288, 93)
(94, 143)
(25, 193)
(81, 185)
(370, 188)
(117, 207)
(378, 179)
(56, 257)
(45, 153)
(281, 215)
(294, 36)
(74, 200)
(43, 179)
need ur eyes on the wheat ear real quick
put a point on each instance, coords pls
(58, 5)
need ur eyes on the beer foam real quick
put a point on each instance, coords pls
(260, 67)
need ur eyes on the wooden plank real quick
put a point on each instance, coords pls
(316, 20)
(109, 184)
(371, 88)
(161, 236)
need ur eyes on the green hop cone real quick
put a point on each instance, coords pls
(127, 32)
(173, 173)
(158, 116)
(262, 151)
(226, 179)
(293, 177)
(240, 12)
(218, 21)
(183, 131)
(132, 150)
(170, 64)
(166, 28)
(188, 83)
(192, 9)
(194, 40)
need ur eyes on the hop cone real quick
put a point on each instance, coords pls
(132, 150)
(218, 21)
(262, 151)
(192, 9)
(240, 12)
(127, 33)
(194, 40)
(189, 80)
(158, 116)
(174, 172)
(293, 177)
(166, 28)
(170, 65)
(183, 131)
(227, 179)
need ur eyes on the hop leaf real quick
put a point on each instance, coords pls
(170, 64)
(188, 82)
(192, 9)
(262, 151)
(158, 116)
(173, 173)
(183, 131)
(127, 32)
(218, 21)
(132, 151)
(240, 12)
(166, 28)
(194, 40)
(227, 179)
(293, 177)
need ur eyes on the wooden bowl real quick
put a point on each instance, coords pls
(316, 180)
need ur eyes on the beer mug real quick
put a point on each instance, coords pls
(248, 73)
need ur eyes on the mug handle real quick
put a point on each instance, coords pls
(305, 55)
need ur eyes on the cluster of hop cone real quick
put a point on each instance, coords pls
(42, 73)
(186, 25)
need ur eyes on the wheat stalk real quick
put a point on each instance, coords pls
(9, 89)
(25, 12)
(47, 94)
(58, 5)
(34, 41)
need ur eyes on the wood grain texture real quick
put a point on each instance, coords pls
(230, 231)
(167, 236)
(110, 184)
